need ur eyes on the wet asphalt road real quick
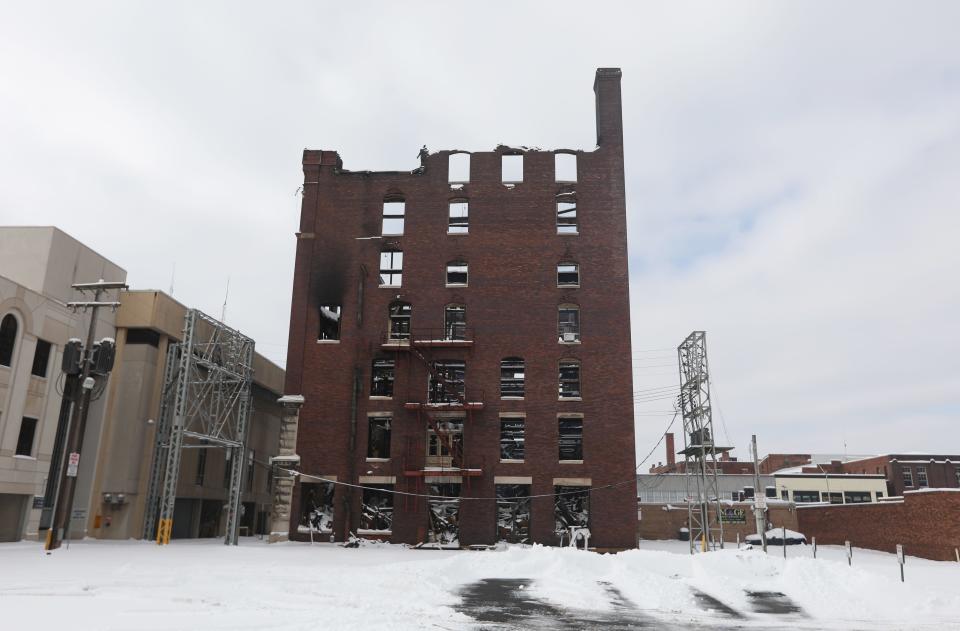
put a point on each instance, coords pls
(505, 604)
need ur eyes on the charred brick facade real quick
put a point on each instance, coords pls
(354, 429)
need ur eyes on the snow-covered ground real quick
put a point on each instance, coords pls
(206, 585)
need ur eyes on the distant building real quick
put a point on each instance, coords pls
(672, 488)
(910, 471)
(38, 265)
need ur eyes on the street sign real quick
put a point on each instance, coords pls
(73, 464)
(79, 513)
(760, 501)
(37, 502)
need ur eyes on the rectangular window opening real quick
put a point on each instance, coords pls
(459, 218)
(568, 275)
(569, 379)
(513, 513)
(143, 336)
(571, 509)
(378, 437)
(907, 476)
(41, 358)
(447, 382)
(511, 169)
(457, 273)
(568, 321)
(376, 514)
(391, 268)
(922, 477)
(28, 430)
(455, 322)
(512, 378)
(329, 322)
(381, 381)
(458, 168)
(512, 438)
(316, 507)
(565, 167)
(571, 438)
(566, 217)
(393, 216)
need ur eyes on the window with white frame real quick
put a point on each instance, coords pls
(391, 268)
(457, 274)
(459, 217)
(568, 323)
(922, 477)
(907, 476)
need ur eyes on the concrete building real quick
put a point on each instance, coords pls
(835, 488)
(38, 265)
(463, 329)
(147, 323)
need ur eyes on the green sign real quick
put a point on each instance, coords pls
(733, 515)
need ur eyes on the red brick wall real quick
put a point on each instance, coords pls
(775, 462)
(511, 303)
(658, 523)
(927, 524)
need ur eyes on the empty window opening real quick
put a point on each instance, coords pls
(513, 513)
(376, 514)
(445, 445)
(568, 323)
(28, 430)
(511, 169)
(378, 437)
(907, 476)
(143, 336)
(922, 477)
(393, 215)
(566, 214)
(565, 167)
(569, 379)
(459, 217)
(458, 168)
(329, 322)
(443, 508)
(455, 322)
(832, 497)
(316, 507)
(41, 357)
(571, 510)
(391, 268)
(457, 273)
(512, 438)
(571, 438)
(381, 380)
(400, 313)
(8, 339)
(568, 275)
(447, 382)
(512, 377)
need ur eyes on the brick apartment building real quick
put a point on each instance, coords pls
(911, 471)
(462, 330)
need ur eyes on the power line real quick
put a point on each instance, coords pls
(632, 480)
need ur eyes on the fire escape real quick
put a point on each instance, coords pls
(438, 406)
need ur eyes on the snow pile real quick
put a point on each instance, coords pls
(204, 584)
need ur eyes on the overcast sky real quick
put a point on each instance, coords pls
(793, 172)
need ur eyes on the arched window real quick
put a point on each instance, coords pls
(512, 377)
(568, 275)
(394, 210)
(568, 324)
(455, 322)
(569, 379)
(8, 339)
(391, 267)
(400, 313)
(457, 273)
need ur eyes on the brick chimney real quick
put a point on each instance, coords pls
(671, 456)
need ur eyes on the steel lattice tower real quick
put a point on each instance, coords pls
(205, 404)
(699, 451)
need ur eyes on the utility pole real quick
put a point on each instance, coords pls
(759, 512)
(63, 507)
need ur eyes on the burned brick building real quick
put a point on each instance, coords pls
(461, 335)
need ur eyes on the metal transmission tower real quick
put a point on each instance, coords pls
(206, 405)
(699, 451)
